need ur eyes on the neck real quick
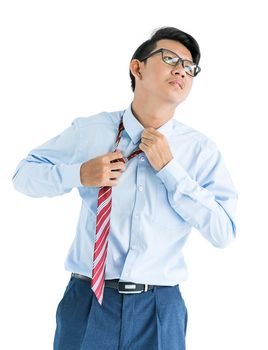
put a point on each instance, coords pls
(151, 114)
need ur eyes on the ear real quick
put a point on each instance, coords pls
(135, 68)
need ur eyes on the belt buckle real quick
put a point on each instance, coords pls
(129, 288)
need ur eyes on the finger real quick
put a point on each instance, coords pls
(112, 156)
(146, 141)
(114, 175)
(149, 138)
(151, 133)
(112, 182)
(144, 147)
(117, 166)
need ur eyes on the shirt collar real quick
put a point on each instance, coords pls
(134, 128)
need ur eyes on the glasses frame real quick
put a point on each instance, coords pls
(180, 60)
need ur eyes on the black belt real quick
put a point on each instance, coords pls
(122, 287)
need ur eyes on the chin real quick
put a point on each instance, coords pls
(175, 101)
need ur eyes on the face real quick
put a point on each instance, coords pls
(155, 76)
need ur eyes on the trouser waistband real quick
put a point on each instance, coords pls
(121, 286)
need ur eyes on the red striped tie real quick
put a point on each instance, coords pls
(103, 228)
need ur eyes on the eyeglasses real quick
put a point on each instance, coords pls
(173, 59)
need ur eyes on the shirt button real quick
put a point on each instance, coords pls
(142, 159)
(140, 188)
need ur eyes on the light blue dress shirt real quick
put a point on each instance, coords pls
(152, 212)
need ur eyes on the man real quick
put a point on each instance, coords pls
(145, 180)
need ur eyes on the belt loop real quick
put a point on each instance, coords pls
(146, 287)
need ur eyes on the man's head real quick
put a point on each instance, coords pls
(152, 74)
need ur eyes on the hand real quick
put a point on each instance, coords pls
(103, 170)
(155, 146)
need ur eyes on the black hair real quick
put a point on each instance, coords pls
(165, 33)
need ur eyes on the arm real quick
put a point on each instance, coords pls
(207, 203)
(51, 169)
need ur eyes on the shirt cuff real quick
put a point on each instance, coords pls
(174, 176)
(70, 174)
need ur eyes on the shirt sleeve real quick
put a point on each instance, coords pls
(51, 169)
(208, 202)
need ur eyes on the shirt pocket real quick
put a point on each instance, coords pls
(164, 215)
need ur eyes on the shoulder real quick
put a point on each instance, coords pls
(109, 119)
(193, 135)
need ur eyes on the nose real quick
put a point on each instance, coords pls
(178, 69)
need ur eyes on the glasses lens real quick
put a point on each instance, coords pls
(190, 67)
(170, 58)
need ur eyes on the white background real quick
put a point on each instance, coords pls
(65, 59)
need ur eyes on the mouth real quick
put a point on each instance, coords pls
(176, 84)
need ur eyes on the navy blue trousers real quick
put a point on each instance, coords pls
(153, 320)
